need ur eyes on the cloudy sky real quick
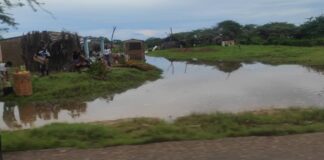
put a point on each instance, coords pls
(146, 18)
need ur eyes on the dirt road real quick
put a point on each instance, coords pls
(296, 147)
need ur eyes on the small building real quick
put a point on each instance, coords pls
(171, 42)
(228, 43)
(135, 49)
(11, 50)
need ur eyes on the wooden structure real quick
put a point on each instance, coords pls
(60, 45)
(135, 49)
(21, 50)
(11, 50)
(171, 42)
(228, 43)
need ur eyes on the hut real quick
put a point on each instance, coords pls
(11, 50)
(134, 49)
(171, 42)
(20, 50)
(60, 44)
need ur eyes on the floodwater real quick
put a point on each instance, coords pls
(186, 88)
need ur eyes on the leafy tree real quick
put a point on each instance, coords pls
(274, 32)
(151, 42)
(229, 29)
(314, 28)
(6, 18)
(250, 34)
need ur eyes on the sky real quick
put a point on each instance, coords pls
(142, 19)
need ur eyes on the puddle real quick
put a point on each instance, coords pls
(186, 88)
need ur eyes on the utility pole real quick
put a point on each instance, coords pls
(112, 38)
(171, 34)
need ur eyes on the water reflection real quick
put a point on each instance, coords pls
(316, 68)
(226, 67)
(186, 87)
(9, 117)
(23, 116)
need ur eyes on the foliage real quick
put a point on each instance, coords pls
(313, 28)
(193, 127)
(267, 54)
(229, 30)
(99, 70)
(276, 33)
(60, 87)
(152, 42)
(6, 18)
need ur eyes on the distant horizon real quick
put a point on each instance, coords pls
(143, 19)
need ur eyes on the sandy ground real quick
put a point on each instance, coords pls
(296, 147)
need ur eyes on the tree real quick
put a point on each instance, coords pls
(314, 28)
(250, 34)
(7, 19)
(229, 29)
(151, 42)
(276, 31)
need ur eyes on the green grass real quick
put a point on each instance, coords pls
(266, 54)
(81, 86)
(142, 131)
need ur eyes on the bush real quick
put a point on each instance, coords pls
(99, 70)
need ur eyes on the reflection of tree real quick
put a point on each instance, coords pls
(76, 109)
(9, 116)
(29, 113)
(47, 112)
(171, 67)
(228, 67)
(108, 98)
(316, 68)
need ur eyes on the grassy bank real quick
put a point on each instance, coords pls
(81, 86)
(141, 131)
(267, 54)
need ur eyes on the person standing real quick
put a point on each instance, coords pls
(43, 55)
(107, 54)
(6, 76)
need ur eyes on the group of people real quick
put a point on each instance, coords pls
(79, 61)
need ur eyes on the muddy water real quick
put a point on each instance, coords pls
(186, 88)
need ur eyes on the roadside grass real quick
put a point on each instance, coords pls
(143, 130)
(71, 86)
(248, 53)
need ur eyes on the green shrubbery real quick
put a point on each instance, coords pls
(309, 33)
(99, 70)
(141, 131)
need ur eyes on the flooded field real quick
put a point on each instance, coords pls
(186, 88)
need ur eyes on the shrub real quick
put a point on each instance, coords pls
(99, 70)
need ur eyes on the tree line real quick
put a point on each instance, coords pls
(310, 33)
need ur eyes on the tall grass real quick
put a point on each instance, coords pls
(193, 127)
(82, 86)
(261, 53)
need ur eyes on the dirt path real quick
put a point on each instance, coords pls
(297, 147)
